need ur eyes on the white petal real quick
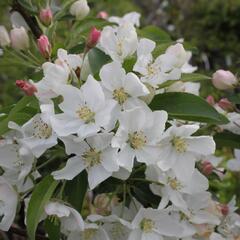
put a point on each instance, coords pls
(64, 125)
(73, 167)
(184, 167)
(145, 46)
(112, 76)
(109, 160)
(203, 145)
(96, 175)
(93, 93)
(126, 158)
(134, 87)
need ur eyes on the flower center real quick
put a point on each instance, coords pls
(117, 231)
(179, 144)
(174, 183)
(89, 233)
(151, 70)
(86, 114)
(42, 130)
(92, 157)
(119, 48)
(137, 140)
(120, 95)
(146, 225)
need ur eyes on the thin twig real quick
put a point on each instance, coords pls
(30, 20)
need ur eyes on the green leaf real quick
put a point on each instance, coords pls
(19, 113)
(31, 8)
(129, 64)
(234, 98)
(227, 139)
(97, 59)
(79, 48)
(154, 33)
(192, 77)
(187, 106)
(144, 195)
(75, 190)
(40, 197)
(52, 228)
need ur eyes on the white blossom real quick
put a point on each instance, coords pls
(119, 43)
(137, 136)
(94, 154)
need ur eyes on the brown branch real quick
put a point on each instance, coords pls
(30, 20)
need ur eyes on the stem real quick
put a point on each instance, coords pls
(46, 163)
(34, 58)
(30, 20)
(124, 199)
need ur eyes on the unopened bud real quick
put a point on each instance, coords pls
(224, 209)
(44, 46)
(46, 16)
(93, 38)
(28, 88)
(4, 37)
(210, 100)
(80, 9)
(207, 168)
(19, 38)
(223, 80)
(180, 54)
(226, 105)
(103, 15)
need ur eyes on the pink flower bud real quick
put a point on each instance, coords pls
(224, 209)
(223, 80)
(207, 168)
(93, 37)
(19, 38)
(226, 105)
(4, 37)
(103, 15)
(27, 87)
(44, 46)
(46, 16)
(210, 100)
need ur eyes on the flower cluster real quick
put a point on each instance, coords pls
(101, 124)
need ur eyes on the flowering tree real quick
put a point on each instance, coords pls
(112, 140)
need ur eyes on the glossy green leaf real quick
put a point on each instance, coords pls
(187, 106)
(40, 196)
(75, 190)
(227, 139)
(97, 59)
